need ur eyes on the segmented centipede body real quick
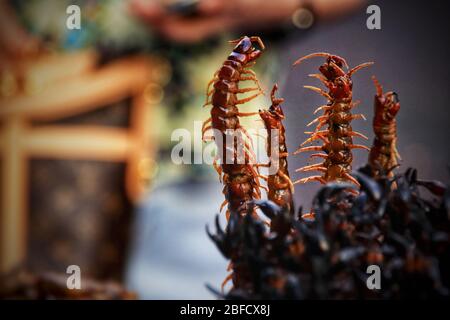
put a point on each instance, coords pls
(383, 156)
(338, 136)
(240, 176)
(279, 183)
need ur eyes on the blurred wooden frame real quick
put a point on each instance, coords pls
(85, 90)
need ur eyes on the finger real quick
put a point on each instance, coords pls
(190, 30)
(211, 6)
(14, 39)
(151, 11)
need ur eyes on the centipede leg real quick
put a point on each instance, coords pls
(224, 203)
(227, 279)
(319, 77)
(324, 107)
(263, 177)
(204, 130)
(319, 155)
(247, 135)
(248, 71)
(288, 181)
(318, 119)
(315, 136)
(247, 114)
(319, 91)
(312, 178)
(217, 167)
(311, 148)
(227, 215)
(358, 134)
(359, 116)
(254, 79)
(359, 146)
(245, 100)
(317, 166)
(352, 179)
(244, 90)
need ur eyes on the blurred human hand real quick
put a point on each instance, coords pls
(215, 16)
(212, 17)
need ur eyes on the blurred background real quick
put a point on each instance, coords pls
(86, 118)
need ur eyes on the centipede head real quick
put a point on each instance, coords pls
(388, 102)
(252, 47)
(274, 115)
(275, 108)
(333, 66)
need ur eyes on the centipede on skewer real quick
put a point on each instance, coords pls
(337, 138)
(280, 186)
(383, 156)
(237, 169)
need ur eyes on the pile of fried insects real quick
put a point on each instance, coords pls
(372, 219)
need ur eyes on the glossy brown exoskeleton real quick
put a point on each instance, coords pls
(338, 136)
(240, 178)
(383, 155)
(279, 183)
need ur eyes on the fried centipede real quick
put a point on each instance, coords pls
(338, 137)
(279, 183)
(383, 156)
(240, 176)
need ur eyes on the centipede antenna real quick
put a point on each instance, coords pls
(236, 41)
(320, 54)
(259, 41)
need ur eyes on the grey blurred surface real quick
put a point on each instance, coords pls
(172, 256)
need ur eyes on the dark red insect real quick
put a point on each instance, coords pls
(338, 136)
(240, 176)
(383, 156)
(279, 183)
